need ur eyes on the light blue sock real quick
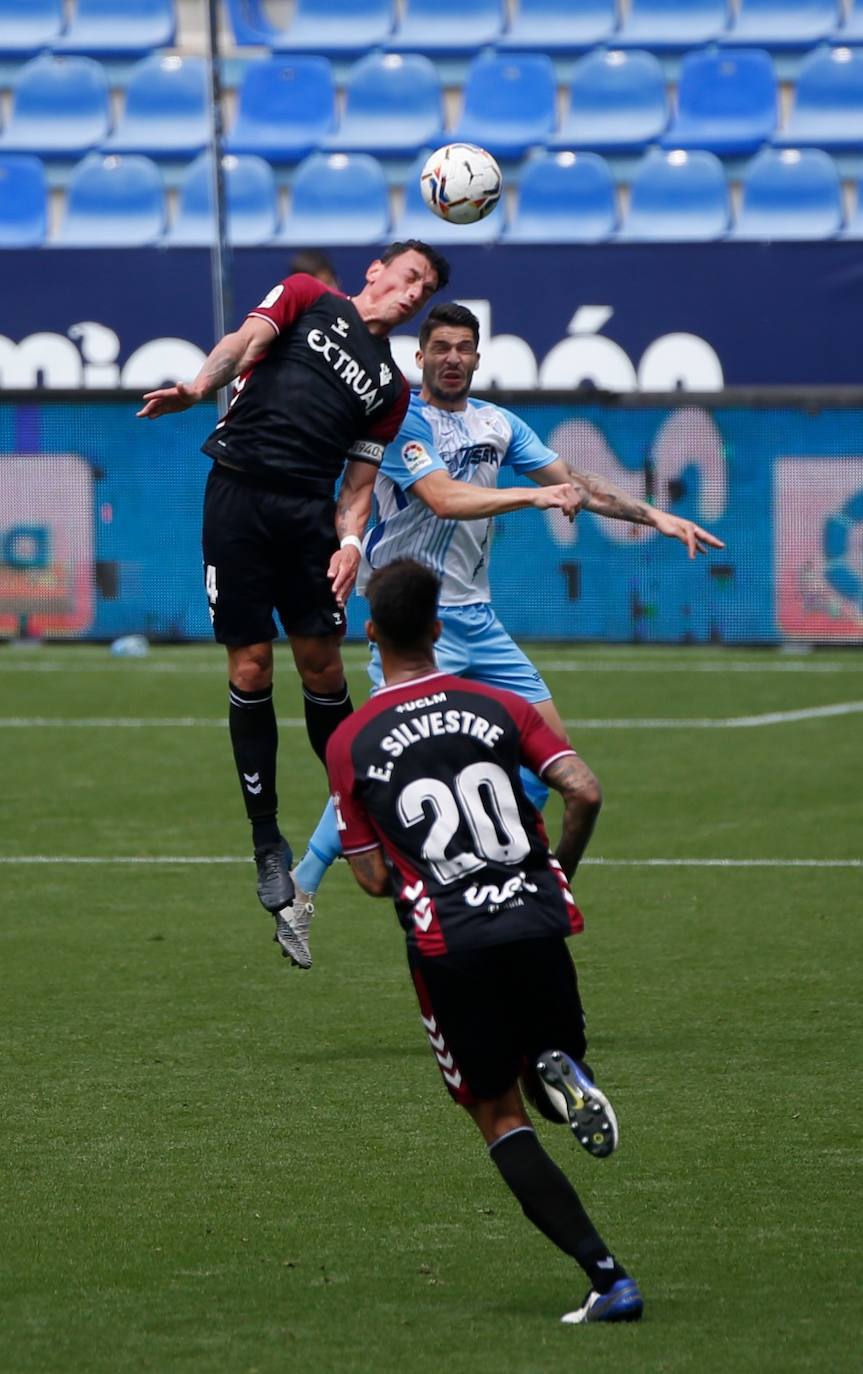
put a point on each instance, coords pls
(324, 848)
(536, 790)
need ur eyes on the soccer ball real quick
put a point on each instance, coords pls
(461, 183)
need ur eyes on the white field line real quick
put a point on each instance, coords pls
(186, 860)
(547, 665)
(841, 708)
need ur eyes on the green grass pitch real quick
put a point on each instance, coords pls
(216, 1164)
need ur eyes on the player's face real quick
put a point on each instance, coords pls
(401, 286)
(448, 362)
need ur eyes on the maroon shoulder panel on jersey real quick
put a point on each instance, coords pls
(385, 427)
(355, 829)
(287, 301)
(539, 744)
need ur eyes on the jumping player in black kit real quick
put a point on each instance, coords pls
(318, 397)
(431, 810)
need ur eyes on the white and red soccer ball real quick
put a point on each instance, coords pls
(461, 183)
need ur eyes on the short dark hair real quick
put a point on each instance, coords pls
(437, 260)
(448, 312)
(315, 262)
(403, 598)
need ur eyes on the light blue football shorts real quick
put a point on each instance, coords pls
(474, 644)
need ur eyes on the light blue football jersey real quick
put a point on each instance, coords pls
(471, 445)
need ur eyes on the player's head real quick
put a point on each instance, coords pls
(448, 353)
(402, 279)
(403, 599)
(315, 264)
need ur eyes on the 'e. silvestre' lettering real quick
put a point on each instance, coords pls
(452, 722)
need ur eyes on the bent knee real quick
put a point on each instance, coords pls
(251, 667)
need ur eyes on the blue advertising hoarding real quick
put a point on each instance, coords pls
(100, 524)
(622, 317)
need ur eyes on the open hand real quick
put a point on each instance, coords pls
(564, 497)
(342, 572)
(168, 400)
(693, 536)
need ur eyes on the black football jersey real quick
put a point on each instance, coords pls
(429, 771)
(325, 390)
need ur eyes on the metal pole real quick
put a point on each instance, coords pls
(221, 275)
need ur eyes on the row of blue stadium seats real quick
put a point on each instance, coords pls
(463, 27)
(338, 199)
(110, 28)
(617, 102)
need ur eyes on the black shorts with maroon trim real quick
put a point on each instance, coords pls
(267, 551)
(489, 1013)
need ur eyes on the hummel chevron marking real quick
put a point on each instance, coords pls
(251, 778)
(445, 1060)
(454, 1078)
(437, 1042)
(429, 1022)
(411, 893)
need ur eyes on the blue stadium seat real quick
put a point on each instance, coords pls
(119, 28)
(780, 24)
(251, 23)
(28, 26)
(287, 106)
(850, 29)
(393, 105)
(113, 202)
(250, 193)
(565, 198)
(509, 103)
(790, 194)
(337, 198)
(448, 28)
(672, 25)
(166, 109)
(828, 102)
(417, 221)
(617, 102)
(558, 27)
(336, 28)
(23, 201)
(59, 108)
(677, 197)
(727, 102)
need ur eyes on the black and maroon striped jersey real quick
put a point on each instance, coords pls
(326, 389)
(429, 771)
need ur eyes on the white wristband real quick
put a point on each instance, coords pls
(351, 541)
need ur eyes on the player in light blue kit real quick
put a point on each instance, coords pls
(436, 494)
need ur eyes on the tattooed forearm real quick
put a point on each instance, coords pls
(606, 498)
(371, 873)
(355, 500)
(582, 800)
(221, 367)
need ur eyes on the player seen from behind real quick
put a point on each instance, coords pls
(431, 809)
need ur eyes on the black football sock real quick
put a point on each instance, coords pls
(324, 713)
(549, 1200)
(255, 740)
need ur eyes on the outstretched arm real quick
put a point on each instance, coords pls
(454, 500)
(232, 356)
(603, 497)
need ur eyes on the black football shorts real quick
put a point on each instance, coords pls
(489, 1013)
(267, 551)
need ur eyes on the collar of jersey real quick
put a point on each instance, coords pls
(412, 682)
